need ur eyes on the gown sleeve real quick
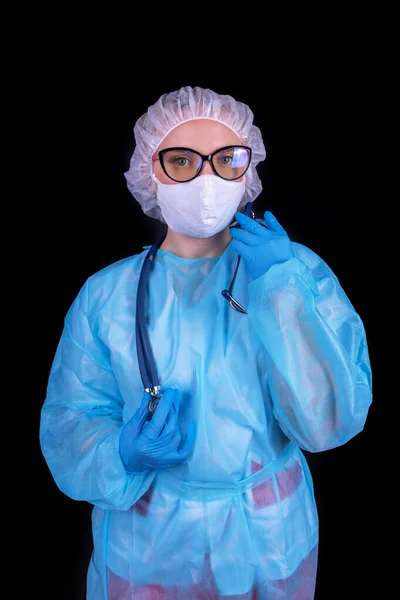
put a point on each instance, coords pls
(318, 367)
(81, 418)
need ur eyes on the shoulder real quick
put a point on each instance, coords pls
(116, 273)
(320, 269)
(329, 287)
(108, 284)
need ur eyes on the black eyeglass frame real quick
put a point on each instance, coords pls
(204, 157)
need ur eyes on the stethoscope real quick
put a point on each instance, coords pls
(146, 362)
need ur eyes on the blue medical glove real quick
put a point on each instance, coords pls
(154, 445)
(259, 246)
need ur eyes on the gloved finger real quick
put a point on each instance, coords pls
(142, 412)
(166, 441)
(244, 251)
(252, 239)
(164, 407)
(237, 247)
(188, 445)
(171, 423)
(169, 427)
(273, 224)
(249, 224)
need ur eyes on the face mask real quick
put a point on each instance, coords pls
(199, 208)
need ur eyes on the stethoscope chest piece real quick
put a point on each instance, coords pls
(153, 405)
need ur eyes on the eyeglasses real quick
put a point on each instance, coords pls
(184, 164)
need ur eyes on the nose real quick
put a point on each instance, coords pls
(207, 168)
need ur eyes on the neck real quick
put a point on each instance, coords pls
(190, 247)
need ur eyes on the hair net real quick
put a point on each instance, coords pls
(173, 109)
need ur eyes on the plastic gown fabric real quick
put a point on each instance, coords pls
(238, 520)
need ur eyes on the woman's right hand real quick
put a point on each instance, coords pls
(154, 445)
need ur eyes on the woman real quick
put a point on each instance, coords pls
(199, 486)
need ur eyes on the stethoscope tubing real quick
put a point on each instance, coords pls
(146, 360)
(145, 355)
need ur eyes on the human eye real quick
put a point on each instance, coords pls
(225, 159)
(181, 161)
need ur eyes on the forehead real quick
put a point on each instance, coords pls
(203, 135)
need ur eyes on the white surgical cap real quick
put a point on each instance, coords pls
(173, 109)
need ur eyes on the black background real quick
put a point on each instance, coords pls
(322, 109)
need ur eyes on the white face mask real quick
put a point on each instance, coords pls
(202, 207)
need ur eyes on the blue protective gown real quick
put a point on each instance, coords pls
(239, 519)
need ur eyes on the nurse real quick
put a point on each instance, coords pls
(209, 495)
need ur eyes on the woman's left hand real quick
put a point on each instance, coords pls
(259, 246)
